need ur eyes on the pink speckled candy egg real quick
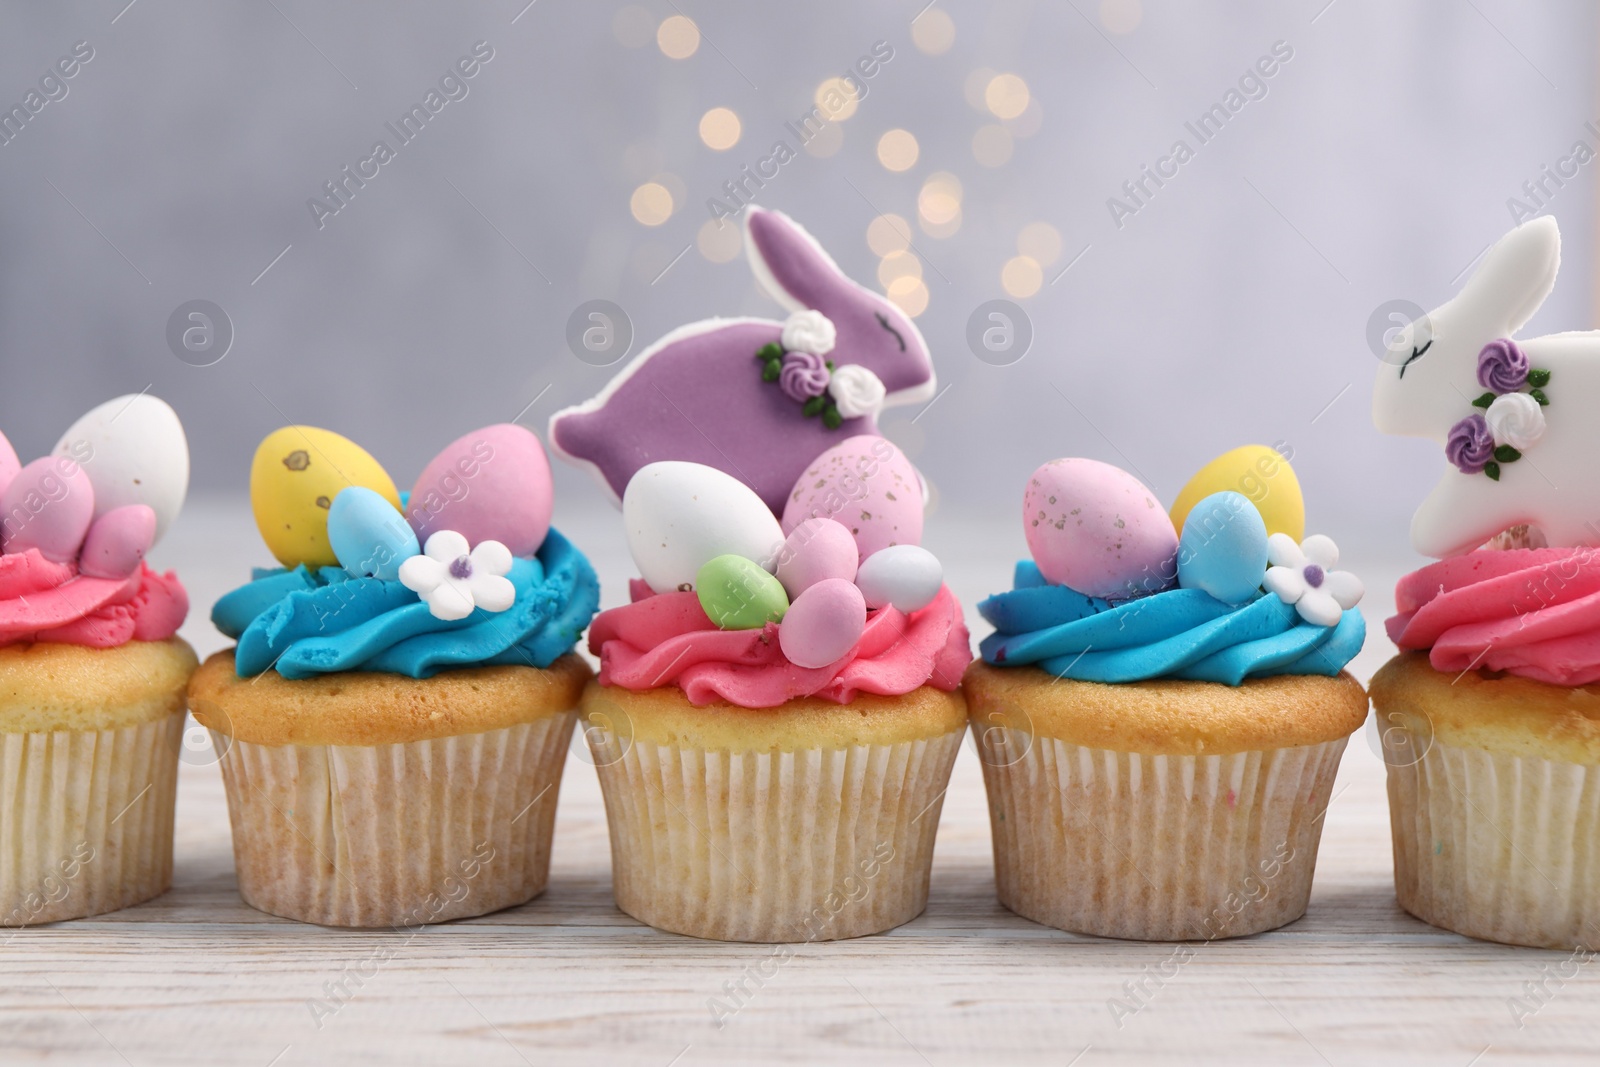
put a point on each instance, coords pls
(47, 506)
(815, 550)
(823, 623)
(867, 484)
(492, 484)
(1097, 529)
(117, 542)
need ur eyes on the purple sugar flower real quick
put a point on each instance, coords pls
(804, 375)
(1470, 444)
(1502, 366)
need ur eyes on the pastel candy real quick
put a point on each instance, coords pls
(678, 516)
(738, 593)
(369, 536)
(492, 484)
(814, 550)
(1223, 549)
(117, 542)
(823, 624)
(907, 577)
(295, 476)
(134, 451)
(1262, 475)
(867, 484)
(9, 463)
(47, 506)
(1097, 529)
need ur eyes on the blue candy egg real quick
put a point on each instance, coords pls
(370, 538)
(1223, 548)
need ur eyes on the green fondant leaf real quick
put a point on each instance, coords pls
(1492, 469)
(1538, 394)
(1483, 401)
(1538, 378)
(1507, 454)
(770, 350)
(831, 417)
(815, 405)
(770, 372)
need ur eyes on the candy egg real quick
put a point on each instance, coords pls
(738, 593)
(678, 516)
(370, 538)
(1097, 529)
(296, 473)
(907, 577)
(9, 463)
(134, 451)
(117, 542)
(867, 484)
(492, 484)
(1223, 548)
(814, 550)
(1262, 475)
(823, 623)
(47, 506)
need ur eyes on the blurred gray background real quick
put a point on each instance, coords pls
(1232, 306)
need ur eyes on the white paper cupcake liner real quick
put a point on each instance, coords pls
(86, 824)
(396, 835)
(814, 845)
(1155, 848)
(1494, 846)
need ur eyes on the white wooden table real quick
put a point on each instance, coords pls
(197, 977)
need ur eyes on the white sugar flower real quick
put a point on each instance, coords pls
(1303, 575)
(856, 391)
(1515, 419)
(453, 581)
(808, 331)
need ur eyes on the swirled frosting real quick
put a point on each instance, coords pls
(667, 639)
(1180, 633)
(305, 622)
(45, 601)
(1533, 612)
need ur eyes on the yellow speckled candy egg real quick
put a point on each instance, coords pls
(297, 472)
(1265, 478)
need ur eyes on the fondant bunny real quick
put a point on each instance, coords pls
(1517, 457)
(698, 393)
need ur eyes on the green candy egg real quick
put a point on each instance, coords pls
(738, 593)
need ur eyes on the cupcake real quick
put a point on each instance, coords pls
(394, 719)
(778, 708)
(1162, 707)
(92, 672)
(1489, 713)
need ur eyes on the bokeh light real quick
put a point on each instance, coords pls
(933, 32)
(974, 87)
(720, 240)
(888, 234)
(720, 129)
(1006, 96)
(826, 141)
(837, 99)
(897, 265)
(1040, 241)
(939, 205)
(909, 295)
(1121, 16)
(897, 150)
(1021, 276)
(633, 26)
(678, 37)
(992, 145)
(651, 204)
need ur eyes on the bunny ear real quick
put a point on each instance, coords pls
(790, 264)
(1517, 274)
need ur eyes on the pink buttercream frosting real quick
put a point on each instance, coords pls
(668, 640)
(52, 602)
(1533, 612)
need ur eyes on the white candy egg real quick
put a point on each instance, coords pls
(134, 451)
(680, 516)
(906, 576)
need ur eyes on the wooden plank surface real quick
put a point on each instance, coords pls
(197, 977)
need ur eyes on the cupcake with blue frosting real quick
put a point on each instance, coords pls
(393, 721)
(1162, 707)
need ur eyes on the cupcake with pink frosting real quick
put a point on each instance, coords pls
(778, 708)
(92, 672)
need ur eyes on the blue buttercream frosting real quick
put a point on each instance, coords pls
(303, 623)
(1180, 633)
